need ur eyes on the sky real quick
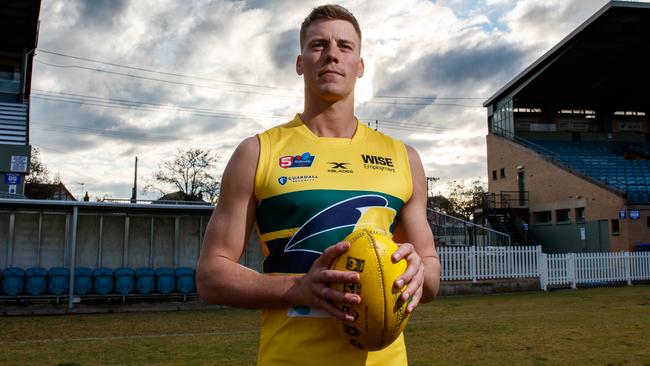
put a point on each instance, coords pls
(115, 79)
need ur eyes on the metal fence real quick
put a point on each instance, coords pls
(452, 231)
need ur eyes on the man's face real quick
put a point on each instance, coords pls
(330, 61)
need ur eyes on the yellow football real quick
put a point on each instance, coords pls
(381, 316)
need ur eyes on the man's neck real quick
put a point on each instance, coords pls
(330, 119)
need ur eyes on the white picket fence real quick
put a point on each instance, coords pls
(594, 268)
(477, 263)
(571, 269)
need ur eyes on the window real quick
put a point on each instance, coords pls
(580, 214)
(562, 216)
(542, 217)
(616, 228)
(494, 175)
(503, 172)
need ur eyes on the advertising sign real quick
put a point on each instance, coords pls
(19, 163)
(12, 179)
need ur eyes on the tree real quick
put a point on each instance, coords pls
(462, 201)
(190, 172)
(38, 172)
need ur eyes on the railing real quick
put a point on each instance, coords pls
(522, 141)
(449, 230)
(146, 202)
(507, 199)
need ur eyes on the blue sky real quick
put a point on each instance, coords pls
(225, 71)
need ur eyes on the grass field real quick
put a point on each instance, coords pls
(602, 326)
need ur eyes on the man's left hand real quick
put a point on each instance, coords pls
(413, 277)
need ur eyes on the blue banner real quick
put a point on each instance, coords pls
(12, 179)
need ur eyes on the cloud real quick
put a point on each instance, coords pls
(542, 24)
(457, 71)
(285, 49)
(101, 12)
(226, 72)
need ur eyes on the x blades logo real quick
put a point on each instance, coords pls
(297, 161)
(339, 168)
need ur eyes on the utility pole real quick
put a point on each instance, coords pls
(430, 181)
(134, 192)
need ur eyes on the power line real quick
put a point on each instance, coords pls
(164, 72)
(101, 132)
(167, 81)
(87, 100)
(146, 106)
(433, 99)
(426, 104)
(425, 98)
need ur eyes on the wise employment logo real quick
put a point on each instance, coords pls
(297, 161)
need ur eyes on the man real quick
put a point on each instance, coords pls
(307, 184)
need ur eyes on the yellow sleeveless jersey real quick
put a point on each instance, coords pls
(311, 193)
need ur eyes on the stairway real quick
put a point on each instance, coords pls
(502, 220)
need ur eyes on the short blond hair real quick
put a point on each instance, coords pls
(328, 12)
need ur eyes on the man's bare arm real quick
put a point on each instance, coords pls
(220, 279)
(423, 272)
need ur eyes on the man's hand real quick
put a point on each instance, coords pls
(413, 277)
(314, 285)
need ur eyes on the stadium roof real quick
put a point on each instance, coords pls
(19, 24)
(604, 63)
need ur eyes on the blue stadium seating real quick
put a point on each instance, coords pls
(83, 280)
(185, 280)
(13, 281)
(124, 280)
(103, 280)
(165, 280)
(609, 162)
(145, 282)
(58, 281)
(36, 281)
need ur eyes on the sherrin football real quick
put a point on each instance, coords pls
(381, 316)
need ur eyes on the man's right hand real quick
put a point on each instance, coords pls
(314, 285)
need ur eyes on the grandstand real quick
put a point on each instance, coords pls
(568, 147)
(18, 35)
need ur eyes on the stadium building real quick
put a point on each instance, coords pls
(568, 147)
(18, 35)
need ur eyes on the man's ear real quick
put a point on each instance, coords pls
(361, 68)
(299, 65)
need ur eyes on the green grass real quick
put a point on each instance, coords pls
(604, 326)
